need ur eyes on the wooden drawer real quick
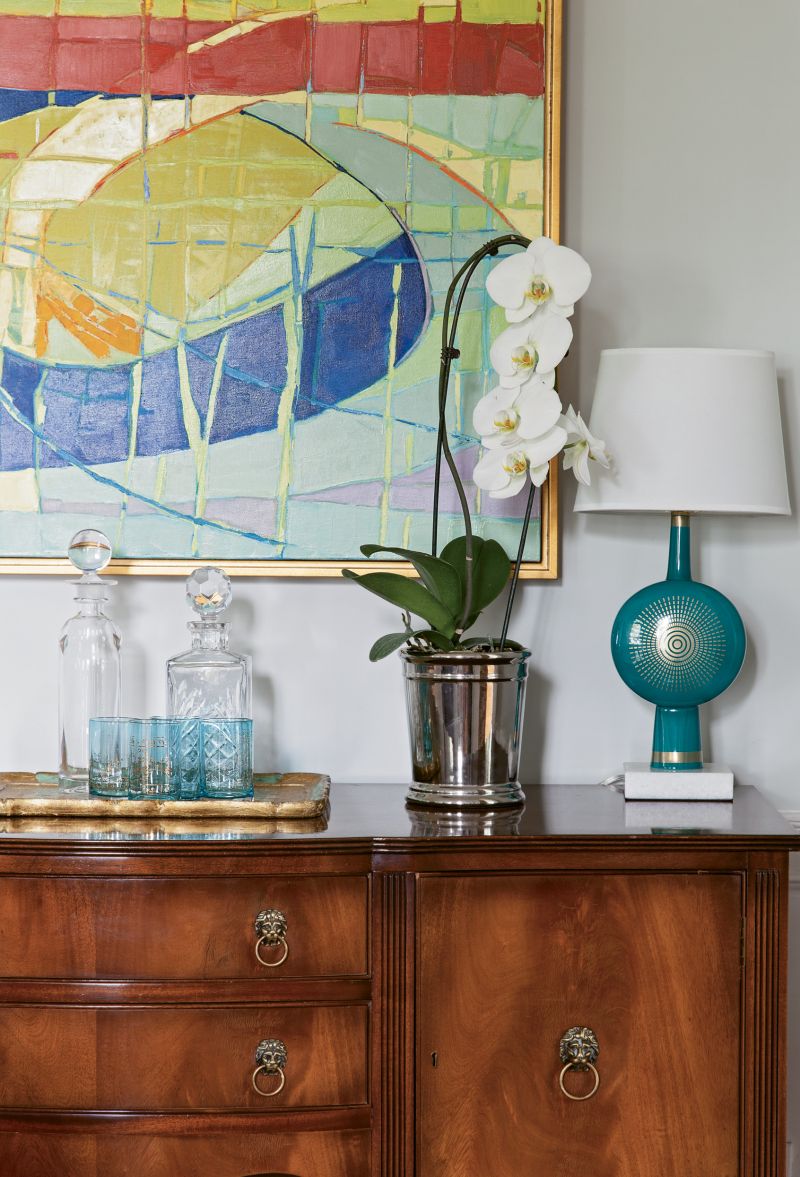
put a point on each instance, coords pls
(235, 1154)
(175, 1059)
(189, 928)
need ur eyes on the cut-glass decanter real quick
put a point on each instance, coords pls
(89, 658)
(209, 681)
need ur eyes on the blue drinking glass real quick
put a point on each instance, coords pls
(153, 771)
(228, 757)
(109, 756)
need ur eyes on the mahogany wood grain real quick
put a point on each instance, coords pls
(198, 928)
(180, 1058)
(310, 1154)
(201, 1123)
(651, 963)
(129, 989)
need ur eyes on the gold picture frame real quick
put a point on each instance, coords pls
(547, 567)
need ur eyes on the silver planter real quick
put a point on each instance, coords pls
(465, 713)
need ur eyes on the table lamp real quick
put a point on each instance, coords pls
(691, 431)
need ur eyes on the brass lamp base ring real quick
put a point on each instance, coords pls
(579, 1098)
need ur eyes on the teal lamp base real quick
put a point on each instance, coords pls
(676, 740)
(678, 644)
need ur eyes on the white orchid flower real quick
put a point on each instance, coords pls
(582, 447)
(546, 275)
(506, 416)
(535, 347)
(502, 471)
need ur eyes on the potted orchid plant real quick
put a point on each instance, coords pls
(465, 692)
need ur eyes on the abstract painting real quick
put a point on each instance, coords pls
(228, 229)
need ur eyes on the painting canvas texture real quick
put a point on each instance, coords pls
(228, 232)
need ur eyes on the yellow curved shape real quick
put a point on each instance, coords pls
(180, 222)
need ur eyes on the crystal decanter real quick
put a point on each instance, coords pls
(89, 658)
(209, 681)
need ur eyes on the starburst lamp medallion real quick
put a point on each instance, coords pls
(695, 431)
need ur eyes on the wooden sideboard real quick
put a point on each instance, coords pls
(419, 971)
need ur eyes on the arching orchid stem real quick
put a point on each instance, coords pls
(512, 588)
(449, 353)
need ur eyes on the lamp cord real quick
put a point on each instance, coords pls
(611, 783)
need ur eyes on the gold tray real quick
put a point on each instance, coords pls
(285, 795)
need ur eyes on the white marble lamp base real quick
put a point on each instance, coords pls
(713, 782)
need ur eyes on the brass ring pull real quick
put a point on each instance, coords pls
(278, 1089)
(271, 927)
(579, 1098)
(272, 964)
(578, 1051)
(271, 1057)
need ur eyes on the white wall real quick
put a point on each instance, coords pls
(680, 180)
(681, 175)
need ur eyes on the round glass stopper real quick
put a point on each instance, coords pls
(208, 591)
(89, 550)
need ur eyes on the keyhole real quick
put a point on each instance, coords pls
(434, 1058)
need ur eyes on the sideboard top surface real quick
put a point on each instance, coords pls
(376, 816)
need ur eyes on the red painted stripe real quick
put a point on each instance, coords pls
(392, 57)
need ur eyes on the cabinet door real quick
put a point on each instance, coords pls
(650, 963)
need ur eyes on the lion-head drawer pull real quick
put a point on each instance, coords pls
(271, 1058)
(578, 1051)
(271, 931)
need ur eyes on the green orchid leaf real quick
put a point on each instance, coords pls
(436, 574)
(491, 570)
(387, 645)
(455, 554)
(406, 594)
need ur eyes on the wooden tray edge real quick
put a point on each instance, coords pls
(84, 806)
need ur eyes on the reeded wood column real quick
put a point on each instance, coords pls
(764, 1077)
(393, 1026)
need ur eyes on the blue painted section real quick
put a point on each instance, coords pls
(160, 426)
(16, 442)
(16, 102)
(161, 508)
(346, 326)
(346, 329)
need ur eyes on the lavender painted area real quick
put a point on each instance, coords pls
(414, 492)
(513, 508)
(247, 514)
(106, 510)
(361, 494)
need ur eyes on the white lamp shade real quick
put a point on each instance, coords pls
(688, 429)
